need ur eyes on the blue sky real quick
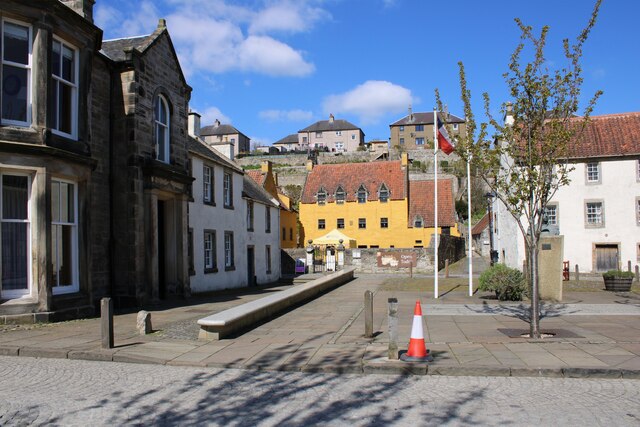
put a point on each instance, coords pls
(272, 67)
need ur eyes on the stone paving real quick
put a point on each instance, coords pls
(597, 335)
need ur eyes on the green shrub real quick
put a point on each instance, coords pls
(509, 284)
(619, 274)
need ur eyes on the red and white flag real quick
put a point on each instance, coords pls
(444, 142)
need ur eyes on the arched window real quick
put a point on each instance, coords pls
(321, 196)
(340, 195)
(383, 194)
(362, 194)
(417, 222)
(162, 120)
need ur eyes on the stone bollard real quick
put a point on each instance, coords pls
(577, 273)
(368, 314)
(637, 274)
(106, 322)
(628, 265)
(143, 322)
(446, 268)
(393, 328)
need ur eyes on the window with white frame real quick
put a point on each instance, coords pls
(228, 250)
(551, 214)
(383, 193)
(64, 70)
(455, 126)
(401, 128)
(15, 235)
(362, 223)
(267, 219)
(340, 195)
(420, 141)
(268, 258)
(321, 224)
(594, 214)
(318, 134)
(321, 196)
(16, 73)
(593, 172)
(340, 223)
(249, 215)
(361, 194)
(207, 184)
(64, 237)
(384, 222)
(338, 133)
(419, 128)
(210, 263)
(401, 141)
(162, 129)
(227, 189)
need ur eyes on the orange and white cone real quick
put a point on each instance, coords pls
(417, 351)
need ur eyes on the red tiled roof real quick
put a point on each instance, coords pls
(421, 203)
(257, 175)
(608, 135)
(351, 175)
(481, 225)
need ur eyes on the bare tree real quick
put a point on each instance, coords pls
(529, 160)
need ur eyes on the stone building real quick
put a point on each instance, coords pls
(93, 164)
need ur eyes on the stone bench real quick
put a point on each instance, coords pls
(225, 323)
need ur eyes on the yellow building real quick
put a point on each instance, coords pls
(375, 204)
(288, 215)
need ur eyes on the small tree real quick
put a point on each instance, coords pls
(529, 161)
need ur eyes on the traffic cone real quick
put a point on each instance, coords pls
(417, 351)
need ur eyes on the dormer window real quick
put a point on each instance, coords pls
(362, 194)
(340, 195)
(417, 222)
(383, 194)
(321, 196)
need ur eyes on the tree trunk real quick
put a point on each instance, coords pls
(532, 250)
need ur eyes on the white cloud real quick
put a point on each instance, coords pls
(209, 116)
(215, 36)
(370, 101)
(284, 115)
(287, 16)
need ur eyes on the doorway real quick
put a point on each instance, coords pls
(251, 266)
(162, 244)
(606, 257)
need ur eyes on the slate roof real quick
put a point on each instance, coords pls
(289, 139)
(425, 119)
(200, 148)
(421, 203)
(114, 49)
(219, 130)
(255, 192)
(326, 125)
(351, 175)
(607, 136)
(480, 226)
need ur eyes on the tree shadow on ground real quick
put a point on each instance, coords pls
(522, 311)
(251, 397)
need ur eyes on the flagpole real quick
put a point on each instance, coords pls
(435, 185)
(469, 238)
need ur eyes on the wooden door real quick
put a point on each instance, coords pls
(606, 257)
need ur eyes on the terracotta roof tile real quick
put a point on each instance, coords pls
(608, 135)
(257, 175)
(481, 225)
(351, 175)
(421, 203)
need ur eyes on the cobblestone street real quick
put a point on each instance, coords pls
(67, 392)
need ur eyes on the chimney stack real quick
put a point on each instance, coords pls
(410, 114)
(194, 124)
(508, 115)
(309, 165)
(83, 8)
(331, 118)
(216, 123)
(266, 166)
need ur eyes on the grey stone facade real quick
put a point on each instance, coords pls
(124, 231)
